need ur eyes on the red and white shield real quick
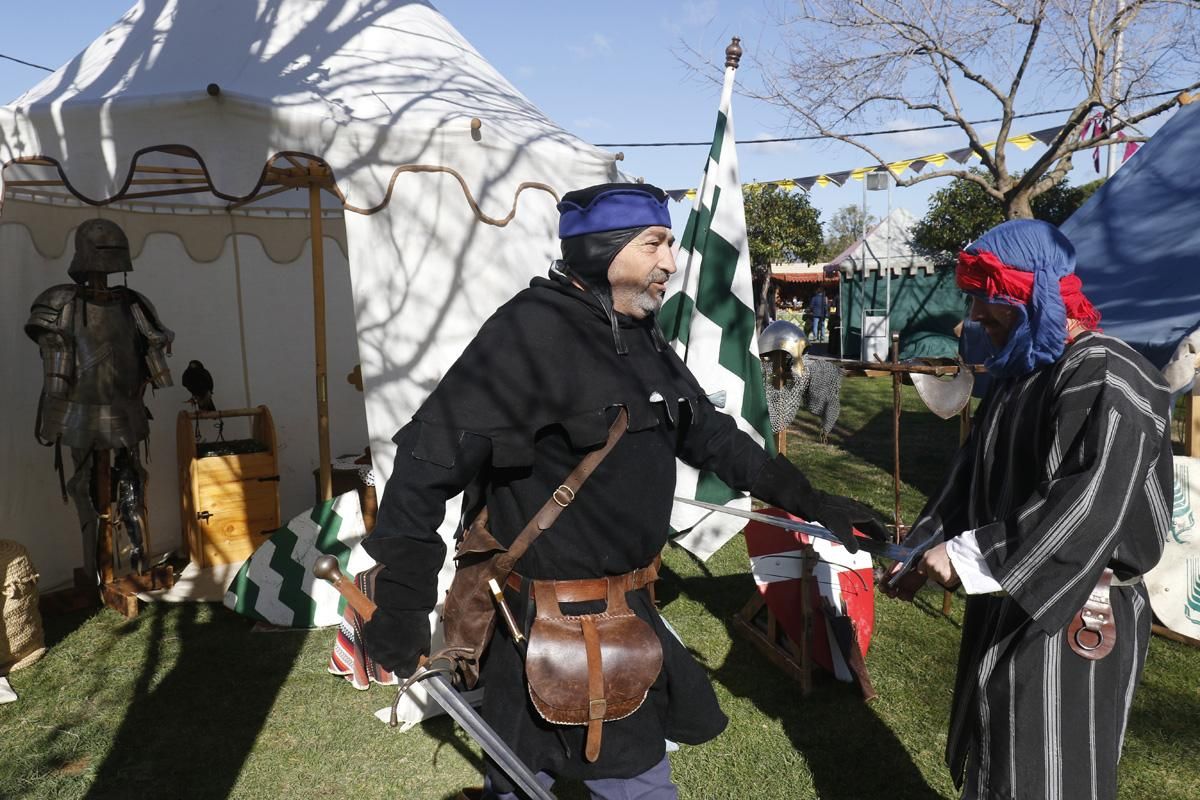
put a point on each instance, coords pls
(841, 580)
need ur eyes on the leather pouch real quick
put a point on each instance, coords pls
(1092, 632)
(469, 614)
(593, 668)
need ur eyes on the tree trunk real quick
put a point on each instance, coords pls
(1018, 206)
(763, 308)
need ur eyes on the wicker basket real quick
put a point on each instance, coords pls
(21, 640)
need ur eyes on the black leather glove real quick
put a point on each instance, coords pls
(397, 639)
(840, 514)
(781, 484)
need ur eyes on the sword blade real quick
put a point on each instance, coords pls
(478, 729)
(888, 550)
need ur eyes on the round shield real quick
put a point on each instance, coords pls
(841, 584)
(1174, 585)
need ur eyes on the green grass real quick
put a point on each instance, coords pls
(187, 702)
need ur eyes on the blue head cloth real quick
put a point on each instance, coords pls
(611, 207)
(1039, 336)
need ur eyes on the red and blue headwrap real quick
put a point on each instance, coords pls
(1030, 265)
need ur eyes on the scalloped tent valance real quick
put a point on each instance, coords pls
(283, 235)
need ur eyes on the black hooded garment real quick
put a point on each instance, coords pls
(534, 391)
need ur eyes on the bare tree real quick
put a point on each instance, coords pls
(846, 63)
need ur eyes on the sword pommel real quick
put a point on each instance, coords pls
(326, 568)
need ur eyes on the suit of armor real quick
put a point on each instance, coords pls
(100, 346)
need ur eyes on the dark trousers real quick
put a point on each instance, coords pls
(653, 784)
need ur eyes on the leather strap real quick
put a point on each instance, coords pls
(563, 496)
(586, 590)
(597, 705)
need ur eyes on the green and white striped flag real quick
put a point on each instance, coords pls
(709, 318)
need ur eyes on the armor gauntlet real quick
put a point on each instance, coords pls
(56, 364)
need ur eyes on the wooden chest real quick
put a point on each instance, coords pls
(229, 490)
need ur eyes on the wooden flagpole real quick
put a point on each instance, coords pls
(318, 272)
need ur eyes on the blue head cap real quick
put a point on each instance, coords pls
(1039, 337)
(610, 207)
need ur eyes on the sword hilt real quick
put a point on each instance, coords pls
(326, 568)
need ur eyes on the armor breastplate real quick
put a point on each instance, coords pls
(103, 404)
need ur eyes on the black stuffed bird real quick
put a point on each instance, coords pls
(198, 381)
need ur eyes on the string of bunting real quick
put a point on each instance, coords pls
(961, 156)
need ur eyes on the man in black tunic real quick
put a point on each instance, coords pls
(534, 391)
(1067, 474)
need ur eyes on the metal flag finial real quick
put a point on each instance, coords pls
(733, 53)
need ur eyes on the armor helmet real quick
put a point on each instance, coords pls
(782, 335)
(100, 246)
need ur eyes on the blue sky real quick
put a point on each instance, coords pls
(609, 72)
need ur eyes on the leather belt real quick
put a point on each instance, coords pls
(587, 590)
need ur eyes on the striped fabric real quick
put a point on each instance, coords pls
(1063, 475)
(709, 319)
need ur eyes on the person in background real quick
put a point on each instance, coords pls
(818, 309)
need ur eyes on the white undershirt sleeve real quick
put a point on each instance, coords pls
(968, 562)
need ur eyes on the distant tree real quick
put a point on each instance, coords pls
(861, 65)
(845, 228)
(781, 227)
(964, 210)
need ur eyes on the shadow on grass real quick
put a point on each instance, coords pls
(850, 752)
(927, 444)
(190, 727)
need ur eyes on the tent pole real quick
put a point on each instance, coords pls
(318, 268)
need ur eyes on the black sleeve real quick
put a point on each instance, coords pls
(406, 541)
(713, 442)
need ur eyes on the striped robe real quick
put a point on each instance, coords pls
(1067, 471)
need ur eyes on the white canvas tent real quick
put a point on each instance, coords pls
(191, 120)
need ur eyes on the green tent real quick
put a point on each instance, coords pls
(925, 304)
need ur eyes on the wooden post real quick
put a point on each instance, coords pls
(896, 378)
(318, 271)
(806, 615)
(1191, 431)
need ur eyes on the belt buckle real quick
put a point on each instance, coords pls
(564, 491)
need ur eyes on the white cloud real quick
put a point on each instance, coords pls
(596, 45)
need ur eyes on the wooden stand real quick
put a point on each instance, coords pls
(228, 503)
(760, 626)
(118, 592)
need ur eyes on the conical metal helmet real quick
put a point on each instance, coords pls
(782, 335)
(100, 246)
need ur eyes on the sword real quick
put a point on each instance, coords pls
(888, 550)
(326, 568)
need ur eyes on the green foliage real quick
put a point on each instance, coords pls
(781, 227)
(961, 212)
(844, 229)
